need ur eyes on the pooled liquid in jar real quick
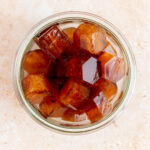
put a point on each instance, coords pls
(73, 73)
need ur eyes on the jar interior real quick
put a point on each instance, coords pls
(121, 84)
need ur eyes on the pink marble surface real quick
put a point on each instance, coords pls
(131, 131)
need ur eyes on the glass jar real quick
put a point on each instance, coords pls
(66, 17)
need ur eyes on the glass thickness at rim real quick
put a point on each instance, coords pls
(68, 16)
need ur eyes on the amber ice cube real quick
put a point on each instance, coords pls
(51, 107)
(74, 115)
(74, 68)
(35, 85)
(73, 93)
(37, 98)
(98, 108)
(36, 62)
(90, 70)
(107, 87)
(84, 68)
(52, 41)
(90, 37)
(69, 32)
(112, 67)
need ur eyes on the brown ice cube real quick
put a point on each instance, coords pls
(90, 37)
(52, 41)
(69, 32)
(74, 68)
(36, 62)
(74, 115)
(107, 87)
(73, 93)
(90, 70)
(36, 98)
(84, 68)
(51, 107)
(35, 85)
(112, 67)
(98, 108)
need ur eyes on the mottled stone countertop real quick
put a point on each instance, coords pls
(131, 131)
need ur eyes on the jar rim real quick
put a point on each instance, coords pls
(74, 15)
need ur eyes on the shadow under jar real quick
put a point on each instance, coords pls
(74, 72)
